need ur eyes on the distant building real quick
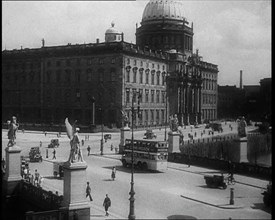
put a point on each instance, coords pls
(230, 102)
(47, 84)
(252, 101)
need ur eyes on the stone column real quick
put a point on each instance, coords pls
(74, 191)
(187, 103)
(13, 169)
(199, 107)
(124, 134)
(240, 152)
(173, 142)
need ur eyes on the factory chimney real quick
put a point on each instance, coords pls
(241, 79)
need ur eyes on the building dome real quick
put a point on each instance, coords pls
(159, 9)
(113, 35)
(112, 30)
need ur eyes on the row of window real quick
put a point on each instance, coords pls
(209, 98)
(209, 114)
(157, 96)
(60, 75)
(156, 115)
(160, 77)
(61, 62)
(209, 84)
(147, 64)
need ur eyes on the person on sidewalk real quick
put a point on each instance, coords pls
(88, 191)
(89, 150)
(107, 204)
(36, 177)
(54, 152)
(113, 175)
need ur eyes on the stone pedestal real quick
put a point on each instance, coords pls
(240, 153)
(13, 169)
(173, 142)
(74, 191)
(124, 134)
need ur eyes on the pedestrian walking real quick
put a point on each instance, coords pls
(88, 149)
(47, 153)
(36, 178)
(189, 159)
(88, 191)
(113, 175)
(54, 152)
(82, 142)
(112, 147)
(107, 204)
(40, 144)
(45, 132)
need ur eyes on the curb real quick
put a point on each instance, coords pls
(217, 206)
(111, 214)
(259, 187)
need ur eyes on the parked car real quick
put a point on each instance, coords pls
(54, 143)
(35, 154)
(149, 134)
(107, 136)
(58, 169)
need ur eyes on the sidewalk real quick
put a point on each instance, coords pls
(241, 179)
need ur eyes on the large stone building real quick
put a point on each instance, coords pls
(50, 83)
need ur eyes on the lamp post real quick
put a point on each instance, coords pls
(165, 132)
(101, 141)
(132, 192)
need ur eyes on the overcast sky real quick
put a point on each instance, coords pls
(235, 35)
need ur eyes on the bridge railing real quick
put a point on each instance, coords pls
(45, 200)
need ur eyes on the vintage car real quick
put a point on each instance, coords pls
(35, 154)
(215, 181)
(149, 134)
(107, 136)
(58, 170)
(54, 143)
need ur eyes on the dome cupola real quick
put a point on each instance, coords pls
(164, 27)
(113, 35)
(163, 9)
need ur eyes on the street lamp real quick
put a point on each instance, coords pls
(101, 141)
(165, 132)
(132, 192)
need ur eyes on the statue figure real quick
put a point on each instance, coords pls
(13, 127)
(174, 122)
(124, 118)
(242, 127)
(72, 132)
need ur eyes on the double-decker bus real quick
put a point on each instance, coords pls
(148, 154)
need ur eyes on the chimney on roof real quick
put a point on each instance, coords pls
(241, 79)
(97, 40)
(43, 42)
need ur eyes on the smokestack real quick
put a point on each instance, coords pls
(43, 42)
(241, 79)
(97, 40)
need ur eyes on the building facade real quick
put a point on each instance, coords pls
(48, 84)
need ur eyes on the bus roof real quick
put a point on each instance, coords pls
(149, 141)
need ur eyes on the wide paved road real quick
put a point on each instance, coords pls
(158, 195)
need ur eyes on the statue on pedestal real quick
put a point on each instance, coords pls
(125, 118)
(242, 127)
(13, 127)
(174, 123)
(75, 153)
